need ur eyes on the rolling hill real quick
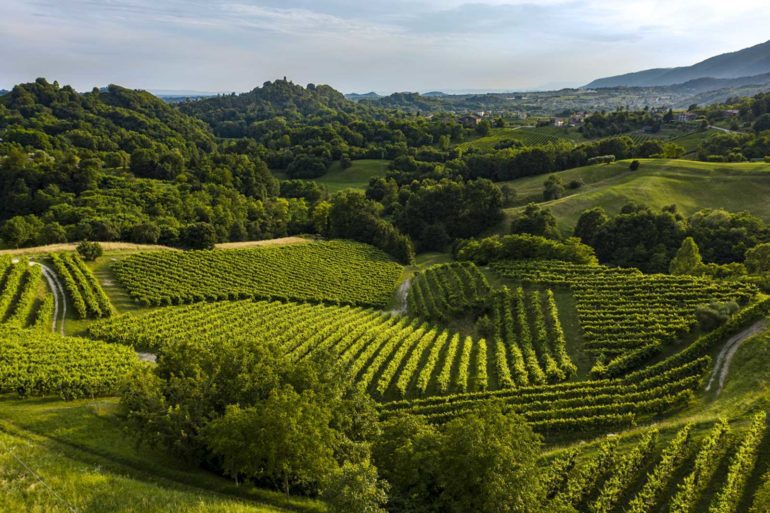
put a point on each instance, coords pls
(688, 184)
(743, 63)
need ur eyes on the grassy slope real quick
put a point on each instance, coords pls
(355, 177)
(80, 450)
(690, 185)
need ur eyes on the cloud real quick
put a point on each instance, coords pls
(224, 45)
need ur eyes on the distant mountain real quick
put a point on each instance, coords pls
(4, 91)
(434, 94)
(363, 96)
(743, 63)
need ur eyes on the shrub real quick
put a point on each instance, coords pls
(634, 165)
(575, 184)
(90, 251)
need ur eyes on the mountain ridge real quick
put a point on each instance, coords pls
(748, 62)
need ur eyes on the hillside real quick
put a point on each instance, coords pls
(743, 63)
(688, 184)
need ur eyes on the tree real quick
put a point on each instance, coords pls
(536, 221)
(758, 259)
(483, 128)
(687, 259)
(89, 250)
(20, 231)
(285, 438)
(198, 236)
(553, 188)
(487, 463)
(355, 488)
(589, 223)
(53, 233)
(145, 233)
(509, 195)
(762, 123)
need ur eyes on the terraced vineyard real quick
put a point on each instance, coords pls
(23, 299)
(598, 404)
(45, 363)
(85, 293)
(600, 482)
(447, 290)
(304, 272)
(627, 317)
(391, 356)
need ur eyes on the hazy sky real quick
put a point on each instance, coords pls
(363, 45)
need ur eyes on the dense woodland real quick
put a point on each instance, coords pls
(116, 164)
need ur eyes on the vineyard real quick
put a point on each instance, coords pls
(303, 272)
(461, 343)
(649, 475)
(23, 300)
(392, 357)
(38, 363)
(627, 318)
(447, 290)
(85, 293)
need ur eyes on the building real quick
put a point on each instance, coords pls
(470, 120)
(684, 117)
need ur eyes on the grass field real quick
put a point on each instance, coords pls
(355, 177)
(690, 185)
(75, 456)
(527, 135)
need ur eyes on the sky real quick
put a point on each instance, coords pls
(363, 45)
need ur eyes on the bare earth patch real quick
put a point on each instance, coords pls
(70, 246)
(128, 246)
(283, 241)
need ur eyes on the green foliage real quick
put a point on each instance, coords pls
(463, 209)
(286, 438)
(758, 259)
(198, 236)
(89, 250)
(553, 188)
(352, 216)
(641, 238)
(715, 314)
(484, 461)
(355, 488)
(589, 223)
(524, 247)
(535, 220)
(687, 259)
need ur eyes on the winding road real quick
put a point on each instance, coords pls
(59, 299)
(725, 356)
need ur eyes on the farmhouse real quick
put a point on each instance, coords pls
(470, 120)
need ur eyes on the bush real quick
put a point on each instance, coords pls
(713, 315)
(90, 251)
(524, 247)
(767, 159)
(634, 165)
(575, 184)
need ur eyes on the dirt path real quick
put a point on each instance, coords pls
(59, 298)
(401, 296)
(725, 356)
